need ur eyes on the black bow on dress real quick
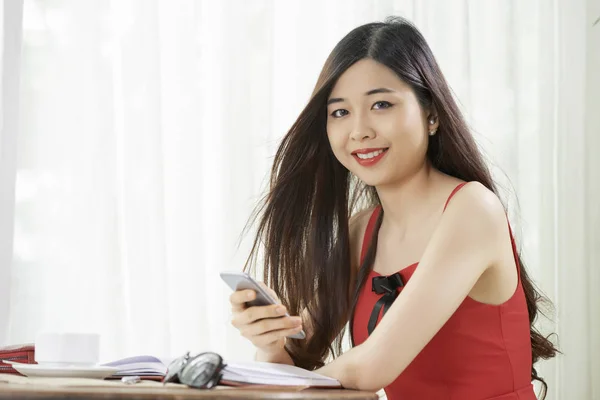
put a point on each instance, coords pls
(386, 285)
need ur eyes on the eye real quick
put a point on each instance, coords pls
(381, 105)
(339, 113)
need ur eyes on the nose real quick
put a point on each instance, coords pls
(361, 130)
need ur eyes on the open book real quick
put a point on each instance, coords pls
(234, 374)
(262, 373)
(146, 367)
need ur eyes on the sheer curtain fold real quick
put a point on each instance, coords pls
(592, 191)
(11, 16)
(148, 127)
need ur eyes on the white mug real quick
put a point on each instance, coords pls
(67, 348)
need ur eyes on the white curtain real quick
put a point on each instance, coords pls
(10, 45)
(147, 129)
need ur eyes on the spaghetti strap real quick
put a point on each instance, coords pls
(513, 244)
(456, 189)
(369, 232)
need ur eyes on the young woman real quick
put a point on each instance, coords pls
(431, 250)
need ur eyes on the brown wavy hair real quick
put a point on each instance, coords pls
(304, 216)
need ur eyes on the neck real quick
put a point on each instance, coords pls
(408, 202)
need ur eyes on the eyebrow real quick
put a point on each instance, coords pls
(370, 92)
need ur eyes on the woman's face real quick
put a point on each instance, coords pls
(375, 124)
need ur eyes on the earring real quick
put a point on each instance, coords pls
(431, 122)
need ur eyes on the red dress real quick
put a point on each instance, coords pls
(482, 352)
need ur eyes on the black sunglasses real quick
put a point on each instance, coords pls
(202, 371)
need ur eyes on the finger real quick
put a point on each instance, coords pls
(274, 295)
(239, 298)
(252, 314)
(271, 324)
(271, 337)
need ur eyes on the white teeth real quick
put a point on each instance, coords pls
(369, 155)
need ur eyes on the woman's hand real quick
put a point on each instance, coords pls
(265, 326)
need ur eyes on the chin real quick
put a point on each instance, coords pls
(374, 179)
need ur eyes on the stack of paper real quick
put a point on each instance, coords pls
(262, 373)
(144, 366)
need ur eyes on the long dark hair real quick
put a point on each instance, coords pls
(304, 216)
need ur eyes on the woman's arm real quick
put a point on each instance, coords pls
(466, 242)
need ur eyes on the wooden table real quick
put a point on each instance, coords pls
(18, 387)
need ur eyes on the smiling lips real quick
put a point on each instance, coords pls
(369, 157)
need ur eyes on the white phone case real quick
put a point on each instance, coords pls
(242, 281)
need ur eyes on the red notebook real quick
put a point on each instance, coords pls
(24, 353)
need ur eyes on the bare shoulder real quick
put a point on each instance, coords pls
(357, 226)
(476, 197)
(477, 209)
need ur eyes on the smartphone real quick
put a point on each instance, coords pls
(242, 281)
